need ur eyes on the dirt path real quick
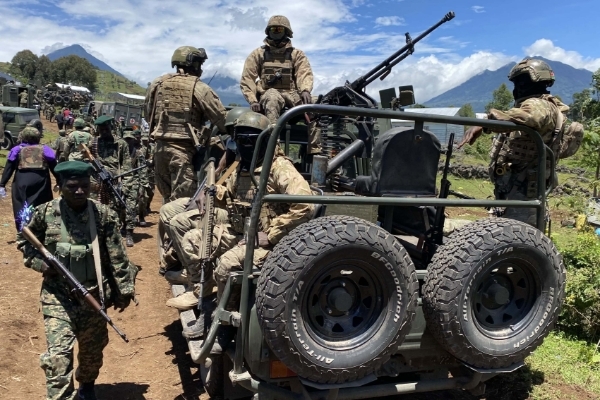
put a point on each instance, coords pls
(154, 365)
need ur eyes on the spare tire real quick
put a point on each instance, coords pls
(493, 292)
(335, 298)
(47, 96)
(58, 100)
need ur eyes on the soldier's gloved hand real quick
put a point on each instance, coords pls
(306, 97)
(255, 107)
(2, 191)
(48, 272)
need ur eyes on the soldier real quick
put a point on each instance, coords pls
(76, 138)
(514, 155)
(235, 197)
(65, 226)
(32, 163)
(113, 153)
(60, 146)
(148, 150)
(178, 106)
(24, 98)
(139, 181)
(277, 75)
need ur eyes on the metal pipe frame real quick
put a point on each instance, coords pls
(501, 126)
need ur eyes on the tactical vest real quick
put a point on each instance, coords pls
(277, 70)
(77, 258)
(79, 137)
(174, 106)
(32, 157)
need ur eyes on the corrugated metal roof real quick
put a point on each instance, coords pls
(481, 115)
(449, 111)
(132, 96)
(74, 88)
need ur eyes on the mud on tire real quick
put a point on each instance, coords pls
(335, 298)
(493, 292)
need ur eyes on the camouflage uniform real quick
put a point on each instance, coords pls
(258, 70)
(148, 150)
(514, 155)
(23, 98)
(67, 319)
(60, 146)
(135, 185)
(276, 220)
(113, 153)
(180, 105)
(74, 139)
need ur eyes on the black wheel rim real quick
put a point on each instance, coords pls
(5, 143)
(344, 304)
(504, 297)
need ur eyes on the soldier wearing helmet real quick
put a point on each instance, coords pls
(178, 106)
(75, 139)
(238, 192)
(513, 154)
(277, 75)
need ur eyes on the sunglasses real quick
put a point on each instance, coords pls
(276, 29)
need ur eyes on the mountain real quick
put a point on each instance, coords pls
(478, 91)
(227, 88)
(77, 50)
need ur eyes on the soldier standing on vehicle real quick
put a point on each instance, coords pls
(178, 106)
(513, 167)
(113, 153)
(76, 138)
(277, 75)
(23, 98)
(66, 319)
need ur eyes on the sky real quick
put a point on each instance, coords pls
(343, 39)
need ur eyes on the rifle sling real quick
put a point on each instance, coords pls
(96, 252)
(228, 173)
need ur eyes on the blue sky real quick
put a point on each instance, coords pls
(342, 38)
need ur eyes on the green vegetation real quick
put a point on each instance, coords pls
(108, 82)
(502, 99)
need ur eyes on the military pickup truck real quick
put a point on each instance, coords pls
(14, 120)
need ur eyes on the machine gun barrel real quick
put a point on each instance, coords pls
(385, 67)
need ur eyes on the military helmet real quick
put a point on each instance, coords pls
(128, 135)
(251, 119)
(538, 71)
(186, 56)
(79, 123)
(37, 124)
(234, 114)
(30, 134)
(280, 20)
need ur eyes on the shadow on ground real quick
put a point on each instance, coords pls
(189, 373)
(122, 390)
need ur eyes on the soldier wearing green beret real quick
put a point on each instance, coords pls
(84, 236)
(113, 153)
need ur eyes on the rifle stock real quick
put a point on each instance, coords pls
(71, 280)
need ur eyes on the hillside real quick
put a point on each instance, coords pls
(478, 90)
(107, 82)
(79, 51)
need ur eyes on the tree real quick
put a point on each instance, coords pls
(466, 111)
(75, 70)
(596, 83)
(23, 66)
(502, 99)
(43, 72)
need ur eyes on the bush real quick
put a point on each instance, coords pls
(580, 314)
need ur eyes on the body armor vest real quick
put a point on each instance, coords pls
(174, 110)
(78, 138)
(278, 70)
(32, 157)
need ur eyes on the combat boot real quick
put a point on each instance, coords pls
(225, 335)
(142, 221)
(196, 330)
(183, 302)
(177, 277)
(129, 238)
(86, 391)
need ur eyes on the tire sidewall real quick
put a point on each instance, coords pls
(390, 320)
(540, 316)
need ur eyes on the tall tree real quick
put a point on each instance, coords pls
(75, 70)
(23, 65)
(466, 111)
(43, 72)
(502, 99)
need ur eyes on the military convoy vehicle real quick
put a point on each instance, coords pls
(11, 95)
(130, 115)
(14, 119)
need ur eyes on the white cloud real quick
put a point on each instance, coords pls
(390, 21)
(547, 49)
(478, 9)
(54, 47)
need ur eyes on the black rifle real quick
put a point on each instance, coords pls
(71, 280)
(131, 171)
(105, 177)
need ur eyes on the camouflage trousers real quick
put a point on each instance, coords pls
(132, 198)
(63, 325)
(513, 186)
(273, 101)
(173, 165)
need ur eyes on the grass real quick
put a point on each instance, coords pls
(107, 82)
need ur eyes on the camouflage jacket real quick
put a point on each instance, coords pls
(72, 150)
(277, 219)
(302, 74)
(539, 113)
(113, 153)
(138, 159)
(60, 146)
(205, 106)
(118, 272)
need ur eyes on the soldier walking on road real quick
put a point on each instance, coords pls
(149, 148)
(76, 138)
(65, 226)
(139, 182)
(178, 106)
(277, 75)
(60, 146)
(513, 167)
